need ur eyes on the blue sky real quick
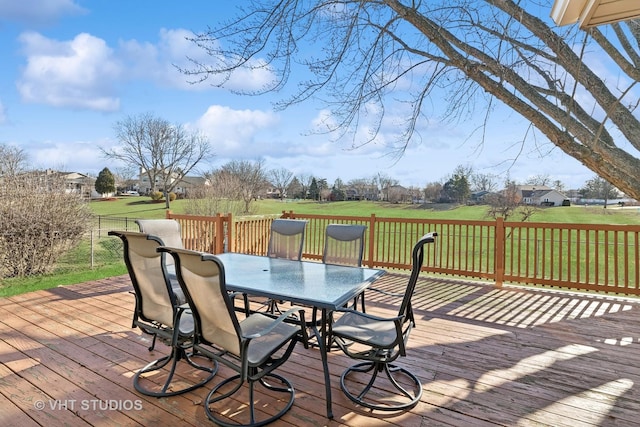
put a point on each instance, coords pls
(71, 69)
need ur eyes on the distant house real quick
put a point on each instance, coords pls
(540, 195)
(273, 193)
(84, 185)
(398, 194)
(74, 182)
(188, 183)
(477, 197)
(183, 185)
(361, 192)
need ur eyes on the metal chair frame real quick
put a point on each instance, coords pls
(157, 313)
(286, 240)
(383, 340)
(253, 347)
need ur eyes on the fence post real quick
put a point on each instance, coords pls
(92, 250)
(230, 229)
(372, 241)
(499, 251)
(219, 234)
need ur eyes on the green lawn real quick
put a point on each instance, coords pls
(142, 207)
(73, 269)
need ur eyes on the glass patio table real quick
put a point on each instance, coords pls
(321, 286)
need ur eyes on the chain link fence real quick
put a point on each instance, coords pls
(98, 248)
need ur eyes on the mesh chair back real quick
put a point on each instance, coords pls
(344, 244)
(155, 299)
(286, 239)
(206, 292)
(168, 230)
(417, 257)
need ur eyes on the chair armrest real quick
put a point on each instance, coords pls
(391, 294)
(280, 319)
(368, 316)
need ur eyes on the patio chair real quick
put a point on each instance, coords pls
(169, 233)
(286, 240)
(157, 313)
(344, 245)
(253, 347)
(378, 342)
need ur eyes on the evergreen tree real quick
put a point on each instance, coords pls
(105, 183)
(314, 191)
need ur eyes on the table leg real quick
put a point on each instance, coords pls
(321, 336)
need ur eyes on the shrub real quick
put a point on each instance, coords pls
(172, 196)
(156, 195)
(39, 223)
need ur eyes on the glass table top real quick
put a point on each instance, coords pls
(301, 282)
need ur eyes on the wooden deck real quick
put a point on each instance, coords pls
(485, 356)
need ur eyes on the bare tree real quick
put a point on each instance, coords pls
(305, 181)
(126, 177)
(218, 195)
(466, 51)
(599, 188)
(483, 182)
(558, 185)
(384, 182)
(13, 160)
(281, 178)
(165, 153)
(508, 202)
(432, 191)
(539, 180)
(362, 187)
(244, 180)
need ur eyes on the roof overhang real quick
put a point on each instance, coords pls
(590, 13)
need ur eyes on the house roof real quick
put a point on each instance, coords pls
(590, 13)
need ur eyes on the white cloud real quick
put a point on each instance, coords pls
(76, 156)
(84, 72)
(79, 73)
(157, 62)
(232, 131)
(37, 11)
(161, 63)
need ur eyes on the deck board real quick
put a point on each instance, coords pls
(486, 356)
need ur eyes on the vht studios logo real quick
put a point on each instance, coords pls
(88, 405)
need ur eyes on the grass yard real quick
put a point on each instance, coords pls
(75, 267)
(143, 207)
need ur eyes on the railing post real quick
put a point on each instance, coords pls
(499, 251)
(372, 241)
(219, 240)
(230, 246)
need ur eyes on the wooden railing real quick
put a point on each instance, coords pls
(590, 257)
(204, 233)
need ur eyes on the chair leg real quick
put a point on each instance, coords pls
(214, 416)
(166, 389)
(408, 399)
